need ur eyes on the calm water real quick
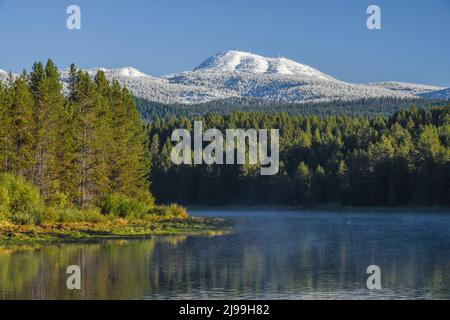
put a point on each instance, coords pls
(270, 255)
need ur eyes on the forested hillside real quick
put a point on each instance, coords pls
(370, 107)
(89, 148)
(402, 159)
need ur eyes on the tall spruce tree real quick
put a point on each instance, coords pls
(4, 126)
(20, 130)
(129, 156)
(46, 89)
(88, 157)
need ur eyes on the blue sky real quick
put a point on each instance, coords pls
(164, 36)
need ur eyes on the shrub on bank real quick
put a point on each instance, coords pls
(172, 211)
(60, 210)
(145, 197)
(177, 211)
(118, 205)
(58, 200)
(4, 203)
(77, 215)
(20, 201)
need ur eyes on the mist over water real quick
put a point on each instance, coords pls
(270, 255)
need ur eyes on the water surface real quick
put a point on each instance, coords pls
(270, 255)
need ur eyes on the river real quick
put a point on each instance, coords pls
(270, 255)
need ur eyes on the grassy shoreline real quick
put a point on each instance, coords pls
(50, 233)
(319, 208)
(153, 225)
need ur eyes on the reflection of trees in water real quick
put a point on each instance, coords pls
(301, 258)
(11, 265)
(321, 260)
(110, 269)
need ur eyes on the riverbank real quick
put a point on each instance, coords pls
(47, 233)
(321, 208)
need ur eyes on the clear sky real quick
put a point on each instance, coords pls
(165, 36)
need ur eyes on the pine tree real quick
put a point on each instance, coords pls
(5, 125)
(89, 158)
(46, 89)
(55, 127)
(303, 184)
(20, 130)
(68, 156)
(129, 155)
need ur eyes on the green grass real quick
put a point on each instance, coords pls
(47, 233)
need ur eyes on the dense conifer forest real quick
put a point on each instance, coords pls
(76, 154)
(85, 145)
(370, 107)
(397, 160)
(82, 146)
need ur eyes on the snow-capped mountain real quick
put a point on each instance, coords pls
(438, 94)
(244, 62)
(412, 88)
(3, 76)
(242, 74)
(153, 88)
(236, 74)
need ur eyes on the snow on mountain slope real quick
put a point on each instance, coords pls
(405, 87)
(3, 76)
(245, 62)
(244, 74)
(155, 89)
(280, 88)
(236, 74)
(127, 72)
(438, 94)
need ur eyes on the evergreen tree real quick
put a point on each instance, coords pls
(46, 89)
(20, 138)
(129, 155)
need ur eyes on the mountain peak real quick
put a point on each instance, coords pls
(246, 62)
(128, 72)
(234, 60)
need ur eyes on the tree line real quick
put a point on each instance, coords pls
(83, 140)
(77, 142)
(370, 107)
(402, 159)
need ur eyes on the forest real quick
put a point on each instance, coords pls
(370, 107)
(72, 154)
(82, 150)
(397, 160)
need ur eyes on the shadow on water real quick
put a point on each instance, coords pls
(270, 255)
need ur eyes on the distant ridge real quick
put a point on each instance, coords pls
(236, 74)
